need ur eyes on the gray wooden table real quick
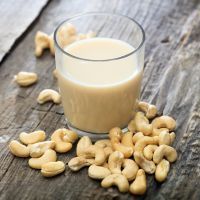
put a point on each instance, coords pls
(171, 81)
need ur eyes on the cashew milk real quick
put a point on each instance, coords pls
(99, 95)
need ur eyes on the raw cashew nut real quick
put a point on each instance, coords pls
(132, 126)
(149, 151)
(31, 138)
(26, 78)
(127, 139)
(142, 124)
(95, 152)
(115, 161)
(149, 109)
(41, 43)
(77, 163)
(63, 139)
(157, 131)
(38, 149)
(118, 180)
(148, 166)
(144, 141)
(48, 156)
(103, 143)
(83, 143)
(49, 95)
(98, 172)
(130, 169)
(115, 135)
(18, 149)
(137, 137)
(139, 185)
(164, 122)
(52, 168)
(164, 151)
(162, 170)
(164, 138)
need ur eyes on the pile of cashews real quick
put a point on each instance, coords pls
(43, 153)
(124, 159)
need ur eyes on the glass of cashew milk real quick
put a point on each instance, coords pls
(99, 77)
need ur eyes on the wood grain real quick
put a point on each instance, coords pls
(16, 17)
(171, 81)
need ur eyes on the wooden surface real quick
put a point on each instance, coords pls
(171, 81)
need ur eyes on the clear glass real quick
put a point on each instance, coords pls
(93, 109)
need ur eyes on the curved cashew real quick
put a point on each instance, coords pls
(41, 43)
(149, 109)
(77, 163)
(164, 151)
(157, 131)
(98, 172)
(139, 185)
(52, 168)
(26, 78)
(118, 180)
(115, 161)
(31, 138)
(144, 141)
(115, 135)
(164, 138)
(162, 170)
(95, 152)
(137, 137)
(38, 149)
(49, 95)
(48, 156)
(148, 166)
(61, 138)
(18, 149)
(103, 143)
(142, 124)
(130, 169)
(83, 143)
(164, 122)
(149, 151)
(132, 126)
(127, 140)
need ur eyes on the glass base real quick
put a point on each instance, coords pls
(92, 136)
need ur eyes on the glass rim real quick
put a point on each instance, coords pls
(99, 13)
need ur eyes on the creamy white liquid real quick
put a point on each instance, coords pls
(98, 95)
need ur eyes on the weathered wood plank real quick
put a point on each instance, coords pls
(16, 17)
(171, 81)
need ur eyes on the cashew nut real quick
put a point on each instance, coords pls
(149, 151)
(48, 156)
(127, 139)
(142, 124)
(115, 161)
(115, 135)
(164, 151)
(52, 168)
(103, 143)
(49, 95)
(31, 138)
(130, 169)
(63, 139)
(132, 126)
(83, 143)
(118, 180)
(139, 185)
(172, 137)
(137, 137)
(108, 151)
(162, 170)
(41, 43)
(26, 78)
(18, 149)
(164, 138)
(38, 149)
(98, 172)
(95, 152)
(164, 122)
(157, 131)
(149, 109)
(77, 163)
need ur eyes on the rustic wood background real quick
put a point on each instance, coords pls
(171, 81)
